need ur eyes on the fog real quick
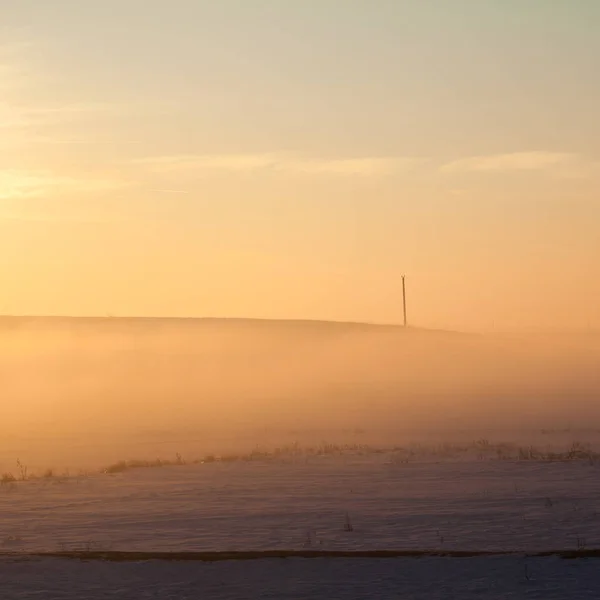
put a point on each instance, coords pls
(83, 393)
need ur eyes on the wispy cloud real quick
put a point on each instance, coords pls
(189, 162)
(16, 184)
(9, 77)
(12, 117)
(37, 139)
(26, 108)
(356, 166)
(248, 163)
(516, 161)
(561, 164)
(11, 72)
(15, 115)
(166, 191)
(45, 217)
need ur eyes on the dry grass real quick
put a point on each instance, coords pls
(481, 449)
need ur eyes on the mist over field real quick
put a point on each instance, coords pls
(85, 392)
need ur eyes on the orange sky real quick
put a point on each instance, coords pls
(294, 159)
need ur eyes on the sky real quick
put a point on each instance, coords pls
(292, 159)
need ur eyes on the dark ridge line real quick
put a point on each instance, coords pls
(18, 320)
(121, 556)
(197, 320)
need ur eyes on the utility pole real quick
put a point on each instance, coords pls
(404, 299)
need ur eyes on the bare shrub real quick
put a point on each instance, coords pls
(348, 523)
(7, 478)
(22, 470)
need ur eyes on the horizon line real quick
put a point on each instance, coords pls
(296, 321)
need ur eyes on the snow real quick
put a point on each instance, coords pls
(288, 504)
(84, 395)
(344, 579)
(300, 503)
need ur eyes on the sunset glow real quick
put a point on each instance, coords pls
(204, 158)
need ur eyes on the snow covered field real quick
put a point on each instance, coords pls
(302, 503)
(307, 502)
(346, 579)
(87, 397)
